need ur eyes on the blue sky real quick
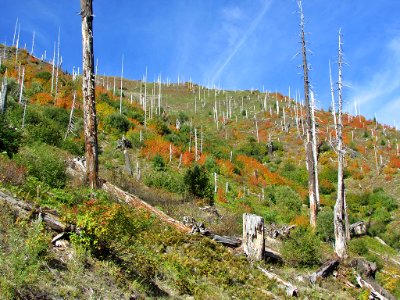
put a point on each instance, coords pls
(247, 44)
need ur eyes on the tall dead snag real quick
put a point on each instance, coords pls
(88, 90)
(253, 237)
(311, 159)
(340, 213)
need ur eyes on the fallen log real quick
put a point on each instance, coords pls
(50, 218)
(188, 226)
(226, 240)
(325, 270)
(272, 256)
(138, 203)
(199, 227)
(376, 291)
(366, 268)
(291, 290)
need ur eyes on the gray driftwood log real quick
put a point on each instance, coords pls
(291, 290)
(325, 270)
(253, 237)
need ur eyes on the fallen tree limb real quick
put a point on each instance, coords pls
(291, 290)
(76, 168)
(325, 270)
(138, 203)
(376, 291)
(25, 209)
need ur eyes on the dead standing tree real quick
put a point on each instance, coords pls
(88, 90)
(340, 214)
(311, 159)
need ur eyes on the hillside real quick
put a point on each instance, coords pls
(208, 154)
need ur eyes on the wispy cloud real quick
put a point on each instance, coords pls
(238, 43)
(380, 93)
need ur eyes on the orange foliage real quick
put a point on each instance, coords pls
(42, 98)
(300, 221)
(187, 158)
(221, 197)
(394, 162)
(155, 146)
(245, 207)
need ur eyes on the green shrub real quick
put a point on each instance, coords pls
(165, 180)
(286, 201)
(358, 246)
(22, 258)
(44, 75)
(10, 138)
(75, 147)
(197, 182)
(325, 227)
(158, 163)
(118, 121)
(302, 248)
(159, 125)
(45, 163)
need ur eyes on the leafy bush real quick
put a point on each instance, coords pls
(159, 126)
(22, 259)
(287, 203)
(44, 75)
(158, 163)
(197, 182)
(325, 227)
(165, 180)
(118, 121)
(302, 248)
(10, 138)
(45, 163)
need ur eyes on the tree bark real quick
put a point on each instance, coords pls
(340, 206)
(88, 89)
(311, 162)
(253, 237)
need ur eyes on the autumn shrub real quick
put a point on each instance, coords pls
(11, 172)
(158, 124)
(197, 182)
(43, 162)
(302, 248)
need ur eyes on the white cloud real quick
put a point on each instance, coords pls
(236, 36)
(380, 93)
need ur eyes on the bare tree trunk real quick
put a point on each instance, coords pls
(311, 163)
(340, 206)
(88, 89)
(3, 99)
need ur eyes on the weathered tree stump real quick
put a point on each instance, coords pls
(358, 228)
(253, 237)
